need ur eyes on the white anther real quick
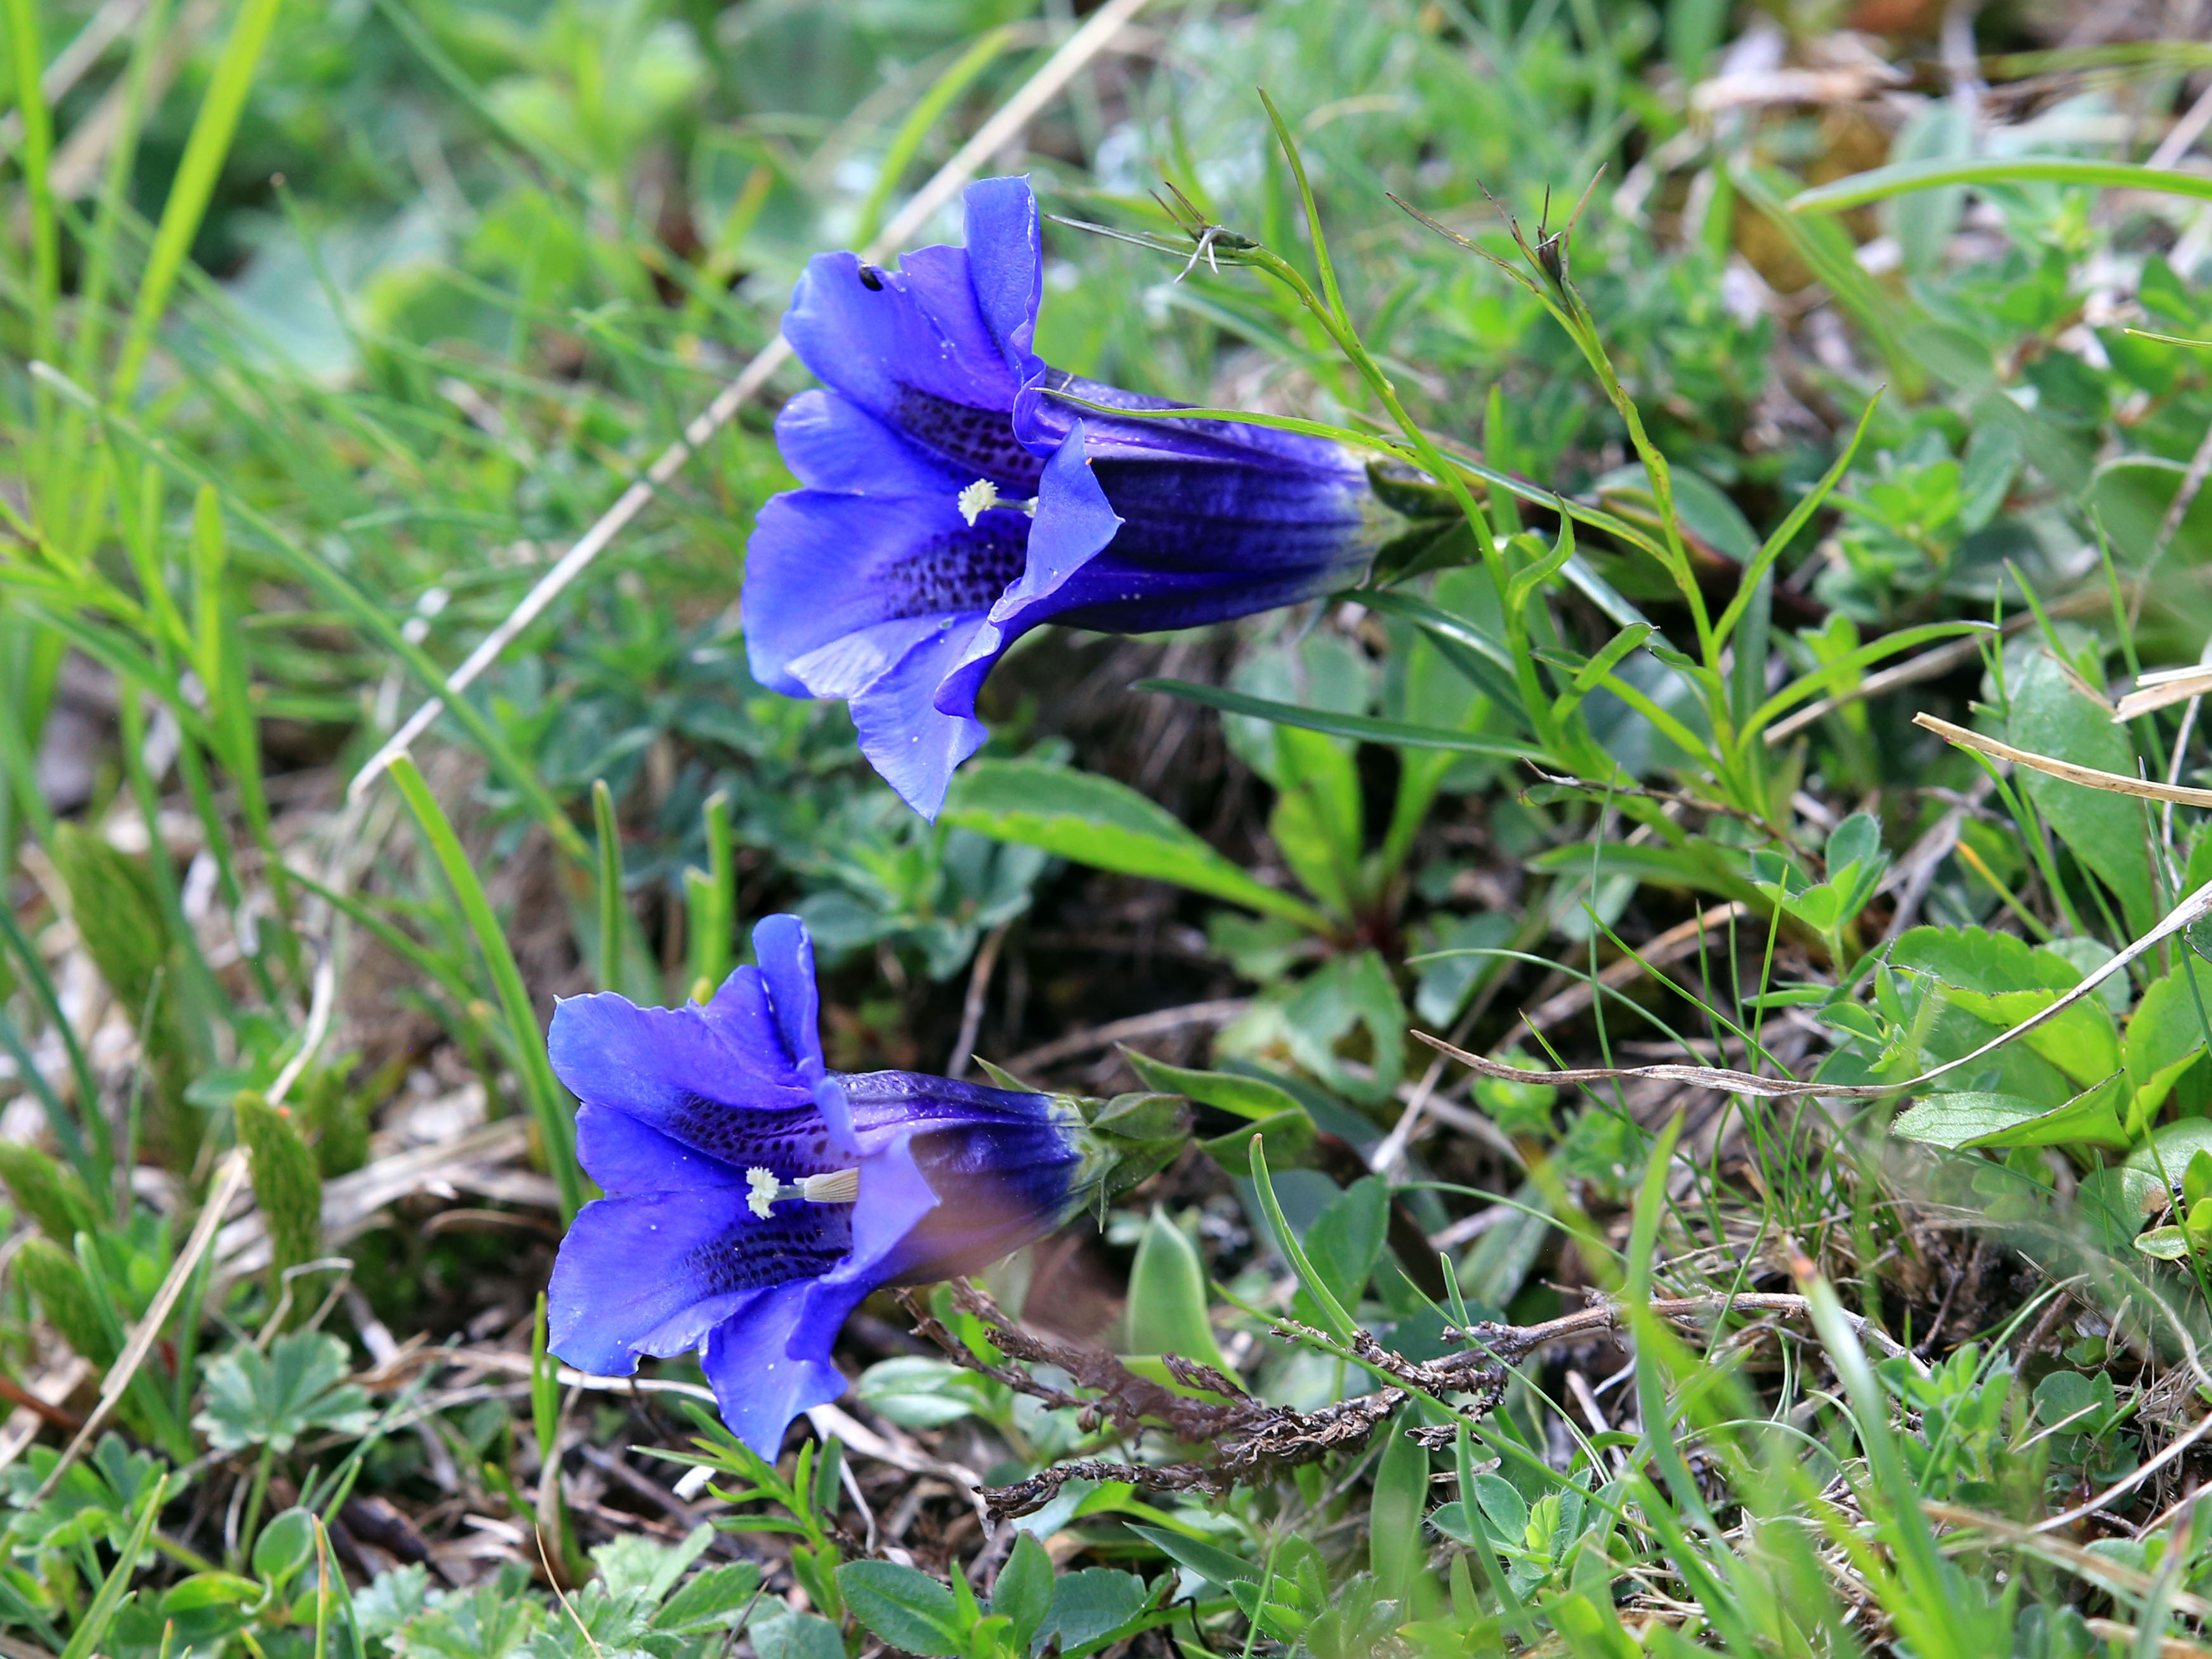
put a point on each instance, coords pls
(978, 499)
(763, 1191)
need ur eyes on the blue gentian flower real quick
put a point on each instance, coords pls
(952, 501)
(755, 1197)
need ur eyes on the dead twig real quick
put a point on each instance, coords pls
(1247, 1439)
(1137, 1029)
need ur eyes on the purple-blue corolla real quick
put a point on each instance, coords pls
(755, 1197)
(952, 501)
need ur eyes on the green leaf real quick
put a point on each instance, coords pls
(1229, 1092)
(1090, 1604)
(1167, 1297)
(285, 1545)
(1878, 183)
(1023, 1595)
(1968, 1119)
(1345, 1241)
(1317, 823)
(550, 1103)
(1349, 995)
(1209, 1561)
(490, 1622)
(1396, 1548)
(917, 1391)
(2003, 979)
(85, 1640)
(2171, 1146)
(275, 1398)
(2197, 1179)
(2166, 1038)
(1471, 648)
(2051, 715)
(1364, 728)
(796, 1636)
(2166, 1243)
(1288, 1138)
(711, 1599)
(907, 1609)
(1108, 826)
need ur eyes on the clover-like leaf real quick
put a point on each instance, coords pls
(274, 1398)
(96, 1498)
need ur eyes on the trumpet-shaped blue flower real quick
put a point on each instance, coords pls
(954, 499)
(755, 1197)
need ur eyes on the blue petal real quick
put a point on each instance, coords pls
(650, 1274)
(894, 1198)
(1074, 522)
(907, 731)
(829, 442)
(650, 1063)
(1005, 263)
(882, 1101)
(770, 1360)
(624, 1156)
(912, 348)
(785, 955)
(840, 588)
(717, 1080)
(1043, 420)
(998, 1187)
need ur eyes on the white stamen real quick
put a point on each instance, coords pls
(977, 498)
(764, 1190)
(838, 1187)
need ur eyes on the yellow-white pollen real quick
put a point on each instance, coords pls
(977, 498)
(764, 1190)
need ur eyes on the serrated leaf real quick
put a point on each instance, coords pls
(297, 1387)
(796, 1636)
(1090, 1604)
(907, 1609)
(1023, 1595)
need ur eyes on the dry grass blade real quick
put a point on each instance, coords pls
(1138, 1028)
(2123, 1581)
(1927, 665)
(2087, 776)
(2169, 1647)
(2163, 687)
(2190, 911)
(1679, 941)
(1062, 67)
(2128, 1482)
(351, 1203)
(228, 1185)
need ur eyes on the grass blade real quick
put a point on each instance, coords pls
(548, 1101)
(1878, 183)
(1360, 727)
(193, 185)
